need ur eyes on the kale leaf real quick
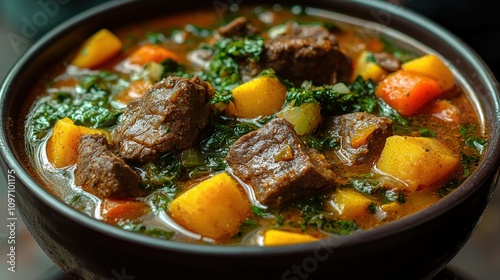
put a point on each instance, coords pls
(224, 73)
(89, 106)
(337, 99)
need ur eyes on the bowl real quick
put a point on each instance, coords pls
(416, 247)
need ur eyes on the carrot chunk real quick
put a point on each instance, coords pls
(407, 91)
(151, 53)
(99, 48)
(124, 211)
(444, 110)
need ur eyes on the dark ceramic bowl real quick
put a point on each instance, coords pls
(416, 247)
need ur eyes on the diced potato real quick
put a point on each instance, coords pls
(262, 96)
(97, 49)
(350, 204)
(304, 118)
(432, 66)
(418, 161)
(368, 69)
(62, 145)
(214, 208)
(274, 237)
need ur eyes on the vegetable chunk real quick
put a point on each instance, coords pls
(367, 68)
(407, 91)
(350, 204)
(97, 49)
(274, 237)
(124, 211)
(151, 53)
(214, 208)
(262, 96)
(420, 162)
(62, 146)
(304, 118)
(432, 66)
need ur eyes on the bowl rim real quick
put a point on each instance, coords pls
(465, 190)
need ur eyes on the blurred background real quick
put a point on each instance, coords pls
(476, 22)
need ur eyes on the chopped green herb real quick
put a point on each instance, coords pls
(449, 187)
(224, 73)
(425, 132)
(393, 196)
(372, 208)
(321, 143)
(340, 227)
(360, 96)
(164, 196)
(400, 125)
(259, 212)
(396, 51)
(366, 185)
(468, 134)
(163, 174)
(156, 38)
(151, 231)
(90, 106)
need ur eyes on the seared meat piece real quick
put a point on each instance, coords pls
(238, 28)
(387, 61)
(362, 136)
(169, 116)
(307, 53)
(100, 172)
(278, 165)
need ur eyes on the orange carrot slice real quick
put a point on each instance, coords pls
(407, 92)
(151, 53)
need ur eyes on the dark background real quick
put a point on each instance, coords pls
(476, 22)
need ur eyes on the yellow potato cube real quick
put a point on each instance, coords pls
(432, 66)
(262, 96)
(274, 237)
(367, 68)
(97, 49)
(418, 161)
(62, 145)
(214, 208)
(350, 204)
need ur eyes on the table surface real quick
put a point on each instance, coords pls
(478, 260)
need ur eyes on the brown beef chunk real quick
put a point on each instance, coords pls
(100, 172)
(169, 116)
(307, 53)
(362, 136)
(387, 61)
(240, 27)
(278, 165)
